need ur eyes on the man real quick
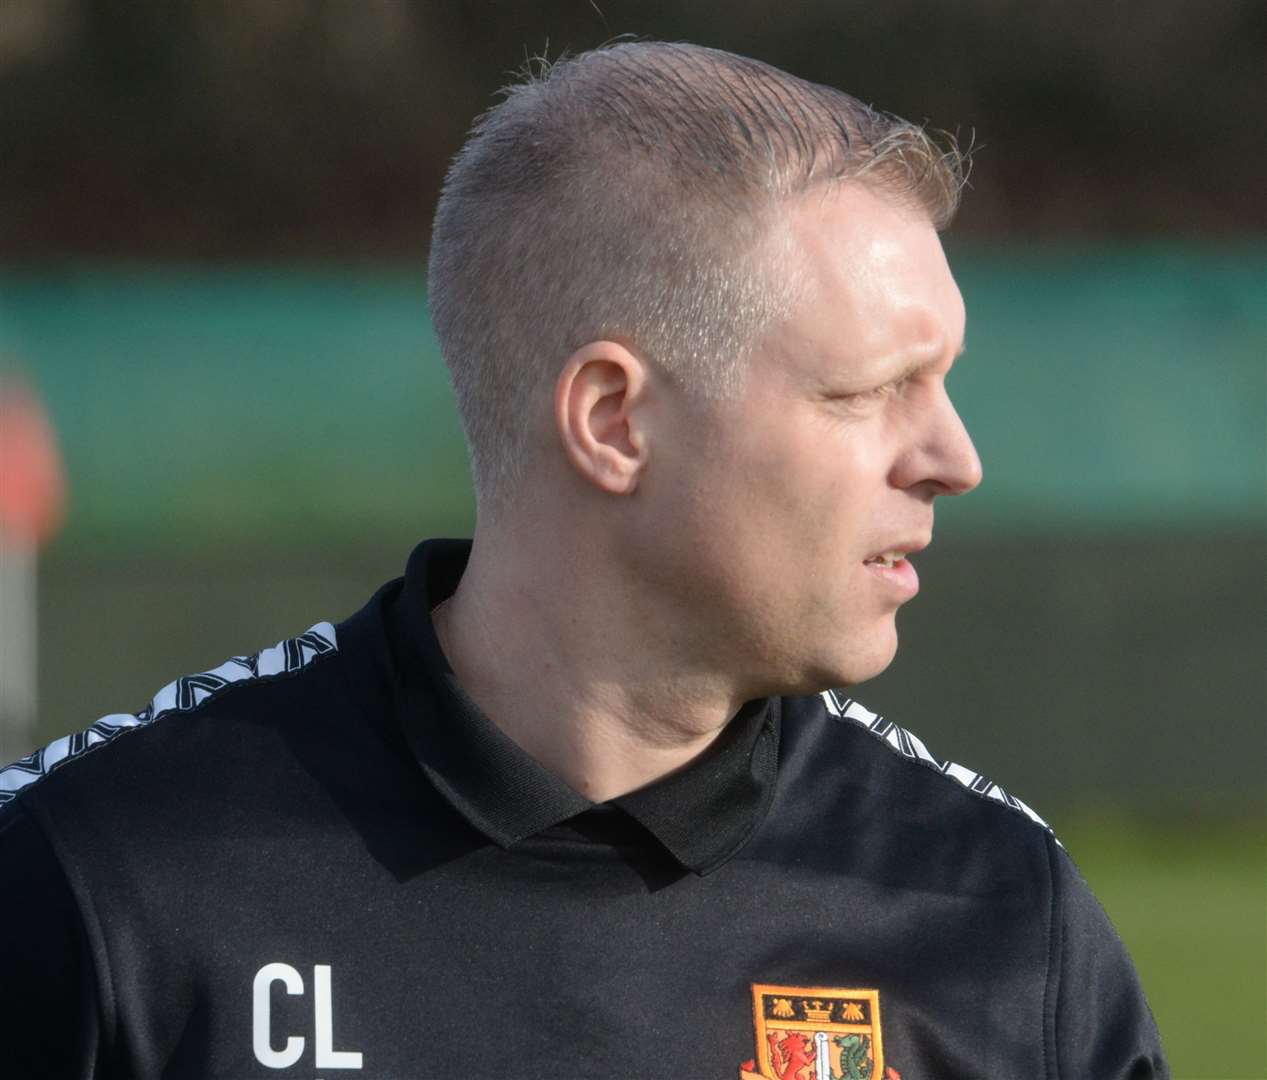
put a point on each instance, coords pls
(585, 797)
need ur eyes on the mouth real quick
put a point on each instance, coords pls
(894, 555)
(887, 559)
(892, 567)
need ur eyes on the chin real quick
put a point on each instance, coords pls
(859, 665)
(865, 660)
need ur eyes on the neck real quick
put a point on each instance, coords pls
(578, 666)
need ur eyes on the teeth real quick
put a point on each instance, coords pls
(888, 559)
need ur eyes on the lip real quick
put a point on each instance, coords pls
(901, 576)
(910, 546)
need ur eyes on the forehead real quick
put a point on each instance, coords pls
(875, 285)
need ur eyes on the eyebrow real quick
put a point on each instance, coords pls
(914, 367)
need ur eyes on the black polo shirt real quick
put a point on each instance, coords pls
(323, 860)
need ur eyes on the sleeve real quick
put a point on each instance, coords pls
(48, 1000)
(1098, 1022)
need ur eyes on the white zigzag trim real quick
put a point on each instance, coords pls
(180, 695)
(910, 745)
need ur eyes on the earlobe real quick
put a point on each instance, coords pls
(598, 417)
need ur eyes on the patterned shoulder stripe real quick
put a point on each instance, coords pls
(910, 745)
(181, 695)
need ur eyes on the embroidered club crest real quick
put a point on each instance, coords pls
(816, 1033)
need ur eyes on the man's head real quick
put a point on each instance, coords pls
(658, 273)
(632, 193)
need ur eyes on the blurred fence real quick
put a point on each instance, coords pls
(250, 450)
(223, 128)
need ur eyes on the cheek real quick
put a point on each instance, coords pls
(823, 483)
(793, 468)
(806, 513)
(779, 493)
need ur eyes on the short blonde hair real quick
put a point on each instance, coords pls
(627, 193)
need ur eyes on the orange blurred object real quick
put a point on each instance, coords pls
(32, 478)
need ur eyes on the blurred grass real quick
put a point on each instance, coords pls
(1184, 880)
(1190, 902)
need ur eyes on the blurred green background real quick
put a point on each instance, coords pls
(213, 222)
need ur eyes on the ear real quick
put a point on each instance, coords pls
(599, 404)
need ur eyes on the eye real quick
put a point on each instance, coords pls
(877, 393)
(880, 391)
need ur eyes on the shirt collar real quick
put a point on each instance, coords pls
(702, 815)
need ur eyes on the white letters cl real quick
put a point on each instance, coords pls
(323, 1016)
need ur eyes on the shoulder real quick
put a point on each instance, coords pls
(909, 749)
(861, 795)
(244, 690)
(946, 830)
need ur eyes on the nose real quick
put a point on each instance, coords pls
(941, 457)
(962, 465)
